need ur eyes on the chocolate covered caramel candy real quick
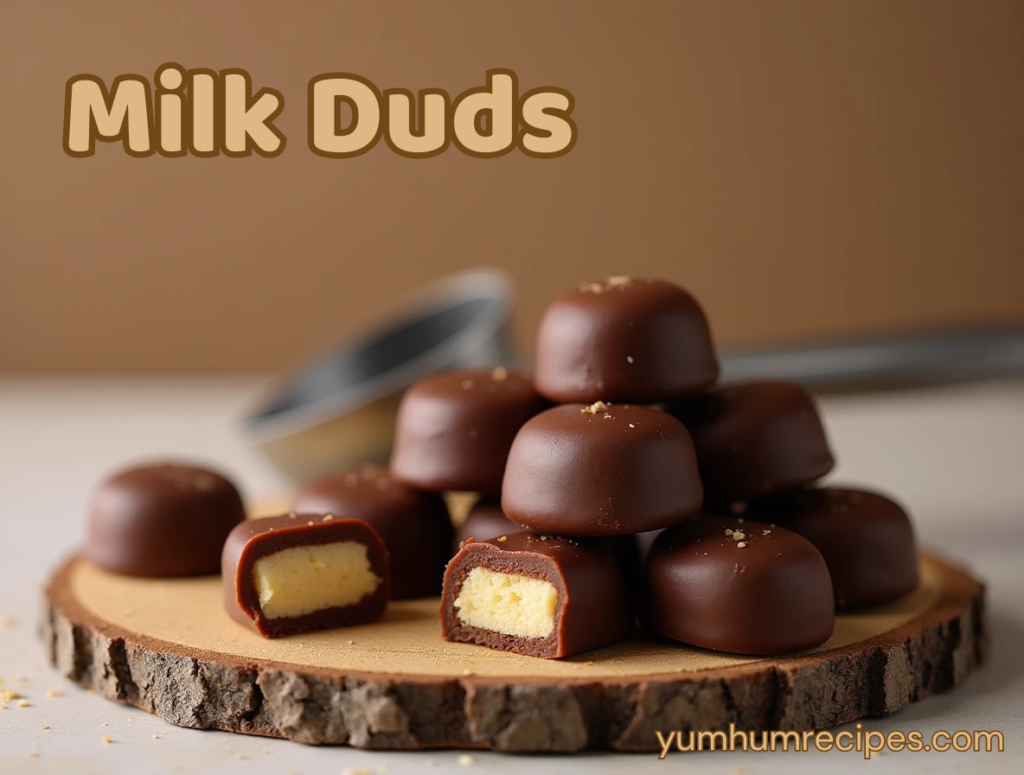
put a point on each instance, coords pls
(162, 520)
(535, 595)
(624, 339)
(486, 521)
(737, 585)
(302, 572)
(454, 429)
(755, 439)
(414, 526)
(866, 539)
(600, 470)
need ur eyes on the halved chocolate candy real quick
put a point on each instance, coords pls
(733, 584)
(162, 520)
(414, 525)
(755, 438)
(601, 470)
(454, 429)
(535, 595)
(624, 339)
(301, 572)
(866, 539)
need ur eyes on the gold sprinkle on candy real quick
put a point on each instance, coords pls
(500, 374)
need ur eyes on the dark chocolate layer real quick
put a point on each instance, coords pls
(414, 525)
(624, 339)
(601, 470)
(162, 520)
(591, 610)
(454, 429)
(866, 539)
(755, 439)
(737, 585)
(256, 538)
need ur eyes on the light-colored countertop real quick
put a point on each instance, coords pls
(953, 455)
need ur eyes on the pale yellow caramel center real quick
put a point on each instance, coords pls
(507, 603)
(305, 579)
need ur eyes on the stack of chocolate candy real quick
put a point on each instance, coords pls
(617, 483)
(743, 554)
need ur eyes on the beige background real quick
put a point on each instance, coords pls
(808, 169)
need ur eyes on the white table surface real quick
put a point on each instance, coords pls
(953, 455)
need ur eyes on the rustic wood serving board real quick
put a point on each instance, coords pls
(167, 647)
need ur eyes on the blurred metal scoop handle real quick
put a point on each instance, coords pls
(932, 357)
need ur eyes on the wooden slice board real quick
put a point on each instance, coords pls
(167, 647)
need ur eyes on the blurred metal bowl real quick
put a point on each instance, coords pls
(338, 408)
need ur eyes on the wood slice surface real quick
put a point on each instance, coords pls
(167, 647)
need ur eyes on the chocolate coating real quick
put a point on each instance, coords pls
(454, 429)
(256, 538)
(486, 520)
(591, 610)
(755, 439)
(626, 340)
(866, 539)
(414, 526)
(162, 520)
(601, 470)
(765, 591)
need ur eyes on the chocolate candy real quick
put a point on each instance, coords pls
(534, 595)
(737, 585)
(601, 470)
(162, 520)
(454, 429)
(302, 572)
(625, 339)
(486, 520)
(755, 438)
(414, 525)
(866, 539)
